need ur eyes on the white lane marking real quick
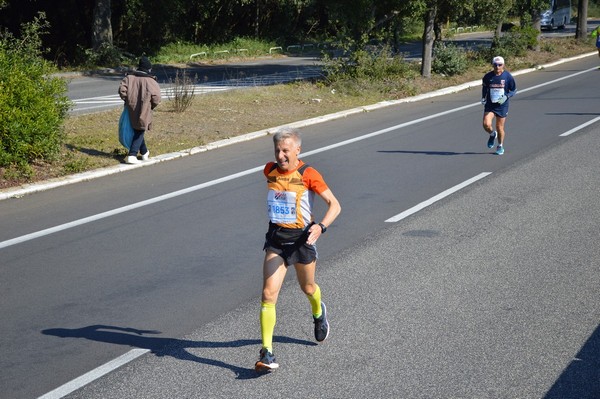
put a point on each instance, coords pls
(98, 372)
(557, 80)
(31, 236)
(224, 85)
(436, 198)
(126, 208)
(575, 129)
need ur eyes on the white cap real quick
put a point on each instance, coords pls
(498, 60)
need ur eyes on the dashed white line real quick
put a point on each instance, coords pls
(90, 376)
(436, 198)
(575, 129)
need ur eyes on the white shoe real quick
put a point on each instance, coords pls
(146, 156)
(131, 160)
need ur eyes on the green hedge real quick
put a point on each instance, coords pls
(33, 103)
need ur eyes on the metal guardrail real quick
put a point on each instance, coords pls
(462, 29)
(199, 54)
(293, 48)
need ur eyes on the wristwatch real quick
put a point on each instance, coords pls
(323, 228)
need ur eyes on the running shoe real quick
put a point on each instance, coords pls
(499, 150)
(321, 325)
(266, 362)
(492, 139)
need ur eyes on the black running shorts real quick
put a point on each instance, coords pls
(290, 244)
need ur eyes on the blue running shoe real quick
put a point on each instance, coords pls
(266, 362)
(499, 150)
(321, 325)
(492, 139)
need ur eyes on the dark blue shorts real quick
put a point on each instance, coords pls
(499, 110)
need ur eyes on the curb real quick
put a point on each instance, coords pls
(17, 192)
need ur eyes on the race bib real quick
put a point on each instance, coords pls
(495, 94)
(281, 206)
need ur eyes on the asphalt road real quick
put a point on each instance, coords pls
(98, 92)
(491, 292)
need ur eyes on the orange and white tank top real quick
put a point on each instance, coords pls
(291, 194)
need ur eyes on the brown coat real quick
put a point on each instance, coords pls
(141, 94)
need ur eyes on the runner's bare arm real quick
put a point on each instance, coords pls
(333, 210)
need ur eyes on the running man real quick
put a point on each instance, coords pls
(291, 237)
(498, 86)
(597, 36)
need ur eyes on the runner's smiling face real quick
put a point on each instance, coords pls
(286, 154)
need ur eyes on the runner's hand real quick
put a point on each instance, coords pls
(313, 234)
(502, 100)
(483, 101)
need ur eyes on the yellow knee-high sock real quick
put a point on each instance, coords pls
(268, 318)
(315, 302)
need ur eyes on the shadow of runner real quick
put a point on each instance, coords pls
(431, 152)
(581, 379)
(176, 348)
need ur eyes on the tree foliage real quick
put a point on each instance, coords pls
(146, 25)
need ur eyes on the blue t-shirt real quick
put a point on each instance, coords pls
(496, 86)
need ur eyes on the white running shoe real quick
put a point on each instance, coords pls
(131, 160)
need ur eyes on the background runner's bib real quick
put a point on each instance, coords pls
(496, 93)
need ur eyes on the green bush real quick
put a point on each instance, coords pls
(371, 64)
(516, 42)
(448, 60)
(33, 104)
(106, 55)
(375, 69)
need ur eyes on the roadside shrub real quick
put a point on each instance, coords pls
(516, 42)
(448, 59)
(377, 69)
(182, 92)
(106, 55)
(33, 104)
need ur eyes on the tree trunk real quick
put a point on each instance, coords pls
(257, 20)
(582, 11)
(536, 23)
(428, 38)
(101, 25)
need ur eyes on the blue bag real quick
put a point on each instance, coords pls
(125, 129)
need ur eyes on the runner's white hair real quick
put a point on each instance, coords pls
(287, 133)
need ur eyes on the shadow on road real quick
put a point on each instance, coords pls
(167, 346)
(581, 379)
(433, 152)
